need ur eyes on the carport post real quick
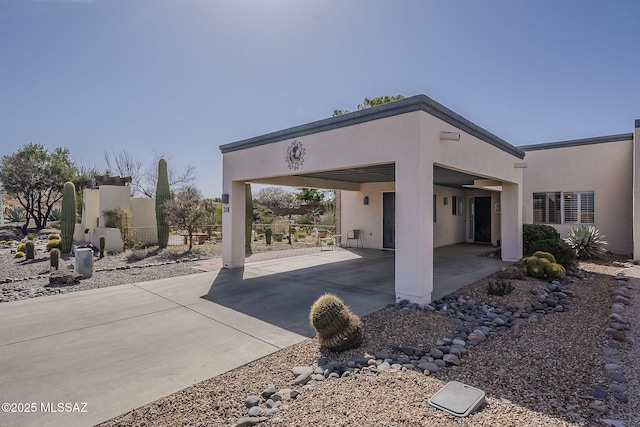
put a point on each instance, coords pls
(233, 229)
(414, 232)
(511, 221)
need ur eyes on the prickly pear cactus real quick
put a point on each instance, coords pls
(162, 195)
(68, 219)
(337, 327)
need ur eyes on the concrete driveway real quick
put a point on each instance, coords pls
(119, 348)
(110, 350)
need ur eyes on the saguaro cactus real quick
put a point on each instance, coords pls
(248, 222)
(162, 195)
(68, 219)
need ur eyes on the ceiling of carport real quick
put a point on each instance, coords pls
(387, 173)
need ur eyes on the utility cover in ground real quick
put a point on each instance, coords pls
(458, 399)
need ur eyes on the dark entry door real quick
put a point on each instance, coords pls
(482, 226)
(389, 220)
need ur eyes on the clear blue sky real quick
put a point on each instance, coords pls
(183, 77)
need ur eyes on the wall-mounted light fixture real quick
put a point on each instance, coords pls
(365, 201)
(225, 198)
(449, 136)
(446, 201)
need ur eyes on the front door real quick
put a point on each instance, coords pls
(482, 220)
(389, 220)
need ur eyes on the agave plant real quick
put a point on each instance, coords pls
(586, 241)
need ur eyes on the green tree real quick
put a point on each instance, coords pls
(310, 195)
(187, 209)
(36, 177)
(371, 102)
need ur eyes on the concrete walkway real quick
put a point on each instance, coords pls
(119, 348)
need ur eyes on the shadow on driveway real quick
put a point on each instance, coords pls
(282, 291)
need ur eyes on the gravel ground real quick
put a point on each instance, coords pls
(542, 374)
(21, 279)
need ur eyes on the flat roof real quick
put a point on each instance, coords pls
(578, 142)
(406, 105)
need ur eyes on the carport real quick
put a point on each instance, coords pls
(412, 175)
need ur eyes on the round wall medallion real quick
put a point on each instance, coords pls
(295, 155)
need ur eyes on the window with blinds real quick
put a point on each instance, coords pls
(568, 207)
(546, 208)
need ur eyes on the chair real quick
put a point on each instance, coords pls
(354, 235)
(325, 240)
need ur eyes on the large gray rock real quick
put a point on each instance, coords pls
(61, 277)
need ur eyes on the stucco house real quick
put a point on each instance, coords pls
(414, 175)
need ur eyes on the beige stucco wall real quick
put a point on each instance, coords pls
(606, 169)
(367, 218)
(113, 197)
(448, 228)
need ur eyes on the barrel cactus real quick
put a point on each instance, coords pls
(542, 265)
(163, 194)
(68, 220)
(337, 327)
(54, 258)
(30, 252)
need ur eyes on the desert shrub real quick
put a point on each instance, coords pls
(16, 214)
(31, 237)
(306, 219)
(136, 255)
(586, 241)
(533, 232)
(512, 272)
(19, 254)
(560, 249)
(55, 214)
(500, 287)
(53, 243)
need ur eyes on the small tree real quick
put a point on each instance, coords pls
(273, 197)
(310, 195)
(187, 209)
(36, 176)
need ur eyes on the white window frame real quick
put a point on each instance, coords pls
(580, 212)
